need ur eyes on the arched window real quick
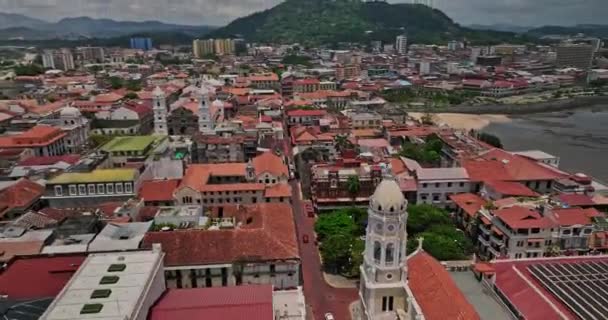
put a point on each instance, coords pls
(390, 253)
(377, 251)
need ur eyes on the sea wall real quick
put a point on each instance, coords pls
(550, 106)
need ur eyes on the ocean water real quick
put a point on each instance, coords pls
(579, 138)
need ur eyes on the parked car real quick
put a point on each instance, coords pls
(310, 210)
(305, 238)
(329, 316)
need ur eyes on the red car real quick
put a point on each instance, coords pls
(310, 210)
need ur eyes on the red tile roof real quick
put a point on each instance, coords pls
(38, 277)
(251, 302)
(158, 190)
(11, 249)
(523, 169)
(50, 160)
(271, 163)
(526, 294)
(266, 232)
(19, 195)
(481, 171)
(306, 113)
(522, 218)
(575, 216)
(38, 136)
(435, 291)
(469, 202)
(576, 199)
(508, 188)
(278, 190)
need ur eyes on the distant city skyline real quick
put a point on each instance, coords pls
(221, 12)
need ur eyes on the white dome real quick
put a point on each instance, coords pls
(388, 197)
(69, 112)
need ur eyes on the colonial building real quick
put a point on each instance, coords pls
(329, 183)
(221, 149)
(87, 189)
(263, 179)
(75, 126)
(44, 140)
(251, 244)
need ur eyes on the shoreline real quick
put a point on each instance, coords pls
(519, 109)
(463, 121)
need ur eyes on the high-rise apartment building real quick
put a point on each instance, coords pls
(219, 47)
(141, 43)
(224, 46)
(401, 44)
(574, 55)
(201, 48)
(90, 54)
(61, 59)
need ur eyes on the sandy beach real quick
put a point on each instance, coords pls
(464, 121)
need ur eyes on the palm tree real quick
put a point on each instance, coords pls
(353, 186)
(342, 142)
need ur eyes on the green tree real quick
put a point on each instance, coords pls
(354, 186)
(131, 95)
(338, 222)
(428, 152)
(133, 85)
(356, 257)
(28, 69)
(428, 119)
(336, 252)
(342, 142)
(116, 82)
(422, 217)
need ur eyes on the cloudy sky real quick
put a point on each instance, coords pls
(218, 12)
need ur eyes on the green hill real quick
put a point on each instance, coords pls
(330, 21)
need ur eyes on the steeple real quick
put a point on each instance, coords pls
(384, 269)
(250, 171)
(205, 123)
(160, 111)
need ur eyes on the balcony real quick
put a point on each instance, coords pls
(493, 251)
(484, 230)
(483, 241)
(496, 240)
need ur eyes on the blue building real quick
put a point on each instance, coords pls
(141, 43)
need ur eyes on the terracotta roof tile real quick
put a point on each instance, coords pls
(253, 302)
(435, 291)
(278, 190)
(271, 163)
(267, 232)
(469, 202)
(19, 195)
(158, 190)
(508, 188)
(575, 216)
(522, 218)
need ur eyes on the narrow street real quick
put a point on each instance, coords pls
(319, 295)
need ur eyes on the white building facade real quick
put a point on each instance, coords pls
(160, 112)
